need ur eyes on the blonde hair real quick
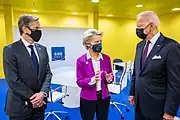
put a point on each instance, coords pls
(150, 16)
(88, 34)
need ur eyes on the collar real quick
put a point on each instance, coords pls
(25, 42)
(155, 38)
(89, 56)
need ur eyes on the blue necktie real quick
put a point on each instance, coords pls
(34, 58)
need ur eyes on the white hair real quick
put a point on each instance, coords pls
(88, 34)
(150, 16)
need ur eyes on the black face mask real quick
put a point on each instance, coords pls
(35, 34)
(140, 33)
(97, 47)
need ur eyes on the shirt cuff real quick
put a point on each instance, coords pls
(92, 82)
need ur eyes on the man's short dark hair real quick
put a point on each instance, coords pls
(25, 20)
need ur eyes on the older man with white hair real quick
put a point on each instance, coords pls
(155, 87)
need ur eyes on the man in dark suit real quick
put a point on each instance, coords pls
(155, 87)
(27, 72)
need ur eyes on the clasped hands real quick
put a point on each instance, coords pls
(108, 76)
(37, 100)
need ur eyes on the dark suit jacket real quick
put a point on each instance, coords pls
(21, 77)
(156, 86)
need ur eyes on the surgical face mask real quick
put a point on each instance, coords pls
(35, 34)
(97, 47)
(140, 32)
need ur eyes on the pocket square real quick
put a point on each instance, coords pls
(156, 57)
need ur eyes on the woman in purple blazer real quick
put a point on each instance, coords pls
(94, 72)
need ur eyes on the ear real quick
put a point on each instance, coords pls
(26, 30)
(88, 45)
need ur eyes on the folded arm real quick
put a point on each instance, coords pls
(83, 81)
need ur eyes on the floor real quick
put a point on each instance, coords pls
(74, 113)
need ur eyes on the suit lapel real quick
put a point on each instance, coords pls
(91, 68)
(139, 55)
(90, 65)
(25, 54)
(103, 63)
(40, 55)
(158, 45)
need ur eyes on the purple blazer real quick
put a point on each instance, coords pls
(84, 73)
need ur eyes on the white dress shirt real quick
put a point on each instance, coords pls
(29, 49)
(153, 41)
(96, 66)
